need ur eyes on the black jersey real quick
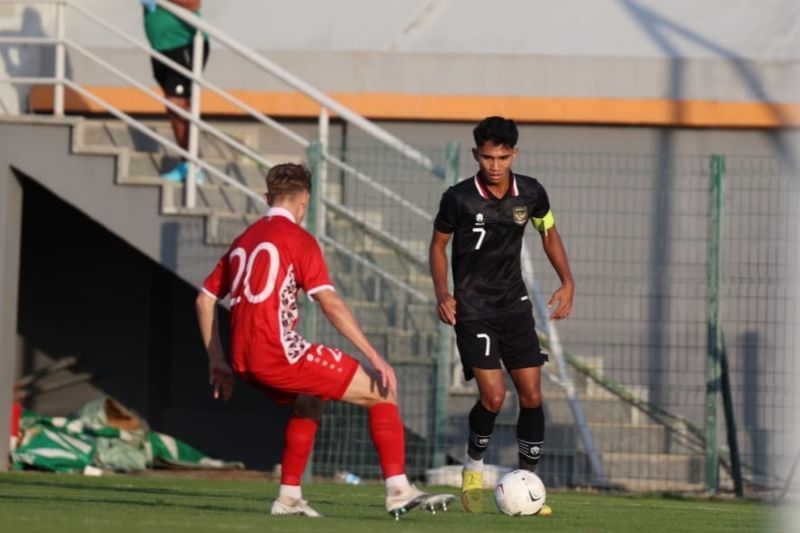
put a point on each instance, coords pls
(487, 242)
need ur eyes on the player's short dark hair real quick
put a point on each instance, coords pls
(500, 131)
(288, 179)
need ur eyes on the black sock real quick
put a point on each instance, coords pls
(530, 436)
(481, 427)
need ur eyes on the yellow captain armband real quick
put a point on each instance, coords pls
(545, 223)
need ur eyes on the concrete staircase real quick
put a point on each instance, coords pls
(396, 324)
(140, 160)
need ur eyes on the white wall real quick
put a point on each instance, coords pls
(763, 29)
(725, 50)
(734, 50)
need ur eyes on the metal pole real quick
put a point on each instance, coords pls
(321, 181)
(308, 325)
(599, 477)
(10, 238)
(194, 133)
(725, 383)
(730, 424)
(60, 68)
(309, 322)
(714, 330)
(444, 352)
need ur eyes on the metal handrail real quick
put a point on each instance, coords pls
(386, 191)
(29, 81)
(293, 81)
(341, 210)
(132, 122)
(27, 40)
(384, 237)
(263, 63)
(378, 270)
(169, 105)
(222, 93)
(260, 61)
(311, 92)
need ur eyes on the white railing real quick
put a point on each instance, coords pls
(62, 42)
(293, 81)
(378, 270)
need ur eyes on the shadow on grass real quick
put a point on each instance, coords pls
(50, 499)
(130, 490)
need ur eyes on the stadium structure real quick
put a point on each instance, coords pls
(629, 111)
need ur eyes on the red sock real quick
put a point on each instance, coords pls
(16, 414)
(388, 435)
(297, 445)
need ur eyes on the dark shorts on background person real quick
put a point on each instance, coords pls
(512, 339)
(172, 82)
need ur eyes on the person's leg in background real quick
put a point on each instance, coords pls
(178, 90)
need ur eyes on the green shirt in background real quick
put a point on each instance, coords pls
(165, 31)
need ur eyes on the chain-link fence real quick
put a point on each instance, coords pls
(637, 231)
(375, 230)
(636, 228)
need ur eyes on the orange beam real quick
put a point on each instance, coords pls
(393, 106)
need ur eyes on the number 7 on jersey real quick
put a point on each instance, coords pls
(482, 232)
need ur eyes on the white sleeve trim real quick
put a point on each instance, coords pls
(209, 293)
(315, 290)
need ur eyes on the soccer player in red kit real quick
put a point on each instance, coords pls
(262, 272)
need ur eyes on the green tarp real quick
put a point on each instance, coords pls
(103, 434)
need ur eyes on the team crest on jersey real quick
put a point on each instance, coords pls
(479, 219)
(520, 215)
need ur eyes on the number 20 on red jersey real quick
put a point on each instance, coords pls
(244, 269)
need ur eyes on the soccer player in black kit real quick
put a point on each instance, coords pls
(486, 216)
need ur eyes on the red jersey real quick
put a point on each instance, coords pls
(262, 271)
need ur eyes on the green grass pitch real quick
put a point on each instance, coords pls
(34, 502)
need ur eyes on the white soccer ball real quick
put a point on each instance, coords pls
(519, 492)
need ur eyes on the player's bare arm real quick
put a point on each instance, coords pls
(340, 316)
(446, 304)
(562, 298)
(220, 374)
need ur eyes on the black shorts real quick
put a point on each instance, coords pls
(171, 81)
(484, 343)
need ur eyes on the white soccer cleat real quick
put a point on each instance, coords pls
(435, 501)
(399, 501)
(293, 506)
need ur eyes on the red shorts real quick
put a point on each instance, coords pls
(322, 372)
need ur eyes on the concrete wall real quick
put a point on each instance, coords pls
(716, 50)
